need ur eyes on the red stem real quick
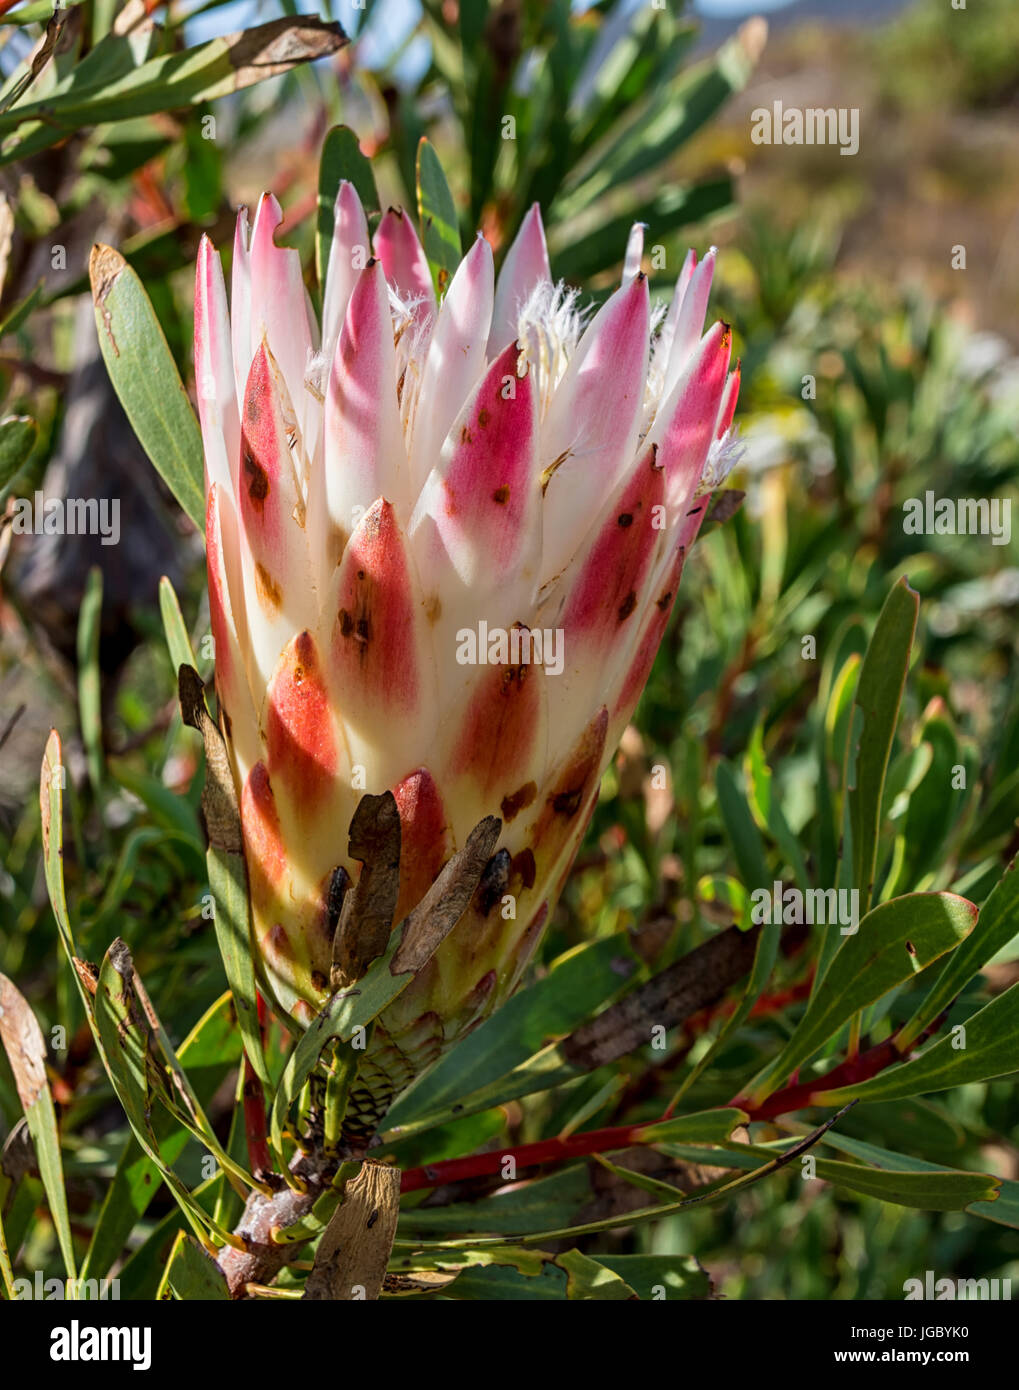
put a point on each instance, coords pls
(793, 1097)
(255, 1128)
(524, 1156)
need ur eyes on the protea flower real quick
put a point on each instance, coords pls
(397, 506)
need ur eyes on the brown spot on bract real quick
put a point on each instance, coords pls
(270, 595)
(524, 868)
(567, 803)
(319, 981)
(501, 494)
(346, 623)
(625, 519)
(513, 679)
(627, 606)
(513, 804)
(256, 478)
(483, 417)
(433, 608)
(665, 600)
(465, 436)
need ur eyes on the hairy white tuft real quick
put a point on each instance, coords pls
(548, 330)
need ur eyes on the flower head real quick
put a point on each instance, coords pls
(444, 540)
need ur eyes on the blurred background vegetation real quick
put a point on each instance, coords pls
(873, 370)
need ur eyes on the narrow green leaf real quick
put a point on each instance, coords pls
(741, 831)
(229, 886)
(878, 696)
(89, 691)
(178, 642)
(700, 1127)
(191, 1273)
(588, 1280)
(52, 781)
(146, 379)
(127, 1044)
(19, 312)
(208, 1053)
(997, 924)
(986, 1048)
(341, 159)
(577, 257)
(892, 943)
(667, 119)
(439, 227)
(172, 80)
(18, 434)
(576, 985)
(944, 1190)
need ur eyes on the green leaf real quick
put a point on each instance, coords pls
(168, 808)
(997, 924)
(178, 642)
(768, 808)
(440, 233)
(893, 943)
(741, 831)
(191, 1273)
(146, 379)
(587, 1279)
(878, 696)
(577, 257)
(18, 434)
(19, 312)
(52, 781)
(208, 1053)
(341, 159)
(549, 1201)
(700, 1127)
(989, 1050)
(1004, 1209)
(89, 691)
(941, 1190)
(229, 887)
(577, 984)
(658, 126)
(127, 1045)
(23, 1041)
(167, 81)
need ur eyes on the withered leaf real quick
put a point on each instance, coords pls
(724, 505)
(366, 917)
(23, 1042)
(355, 1247)
(276, 47)
(438, 912)
(700, 978)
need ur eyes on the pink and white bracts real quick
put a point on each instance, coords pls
(394, 503)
